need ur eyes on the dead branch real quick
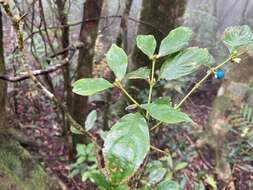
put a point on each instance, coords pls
(72, 49)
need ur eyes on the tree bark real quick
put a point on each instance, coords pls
(63, 20)
(88, 34)
(233, 93)
(3, 84)
(154, 13)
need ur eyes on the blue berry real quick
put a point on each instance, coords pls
(219, 74)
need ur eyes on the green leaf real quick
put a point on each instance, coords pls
(99, 180)
(117, 60)
(147, 44)
(169, 161)
(210, 181)
(75, 130)
(175, 41)
(180, 166)
(80, 148)
(156, 172)
(121, 187)
(185, 63)
(236, 37)
(166, 113)
(125, 147)
(168, 185)
(73, 173)
(90, 120)
(141, 73)
(88, 87)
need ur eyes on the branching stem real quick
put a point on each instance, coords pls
(123, 90)
(151, 83)
(197, 85)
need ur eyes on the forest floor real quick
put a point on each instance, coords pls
(37, 118)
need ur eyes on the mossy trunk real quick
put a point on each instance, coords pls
(18, 171)
(235, 91)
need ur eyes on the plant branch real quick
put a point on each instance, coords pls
(196, 86)
(159, 150)
(123, 90)
(151, 83)
(53, 68)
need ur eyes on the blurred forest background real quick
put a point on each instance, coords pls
(66, 40)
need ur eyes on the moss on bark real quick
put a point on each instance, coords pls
(18, 171)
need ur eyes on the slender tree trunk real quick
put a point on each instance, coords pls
(3, 85)
(88, 34)
(63, 20)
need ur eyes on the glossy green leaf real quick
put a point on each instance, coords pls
(125, 147)
(166, 113)
(141, 73)
(147, 44)
(236, 37)
(88, 87)
(185, 63)
(168, 185)
(117, 60)
(175, 41)
(90, 120)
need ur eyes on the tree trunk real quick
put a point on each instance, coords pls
(88, 34)
(2, 83)
(63, 20)
(154, 13)
(235, 91)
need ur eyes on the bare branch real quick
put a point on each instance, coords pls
(72, 49)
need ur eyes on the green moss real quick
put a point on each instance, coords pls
(19, 171)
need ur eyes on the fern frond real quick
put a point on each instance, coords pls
(241, 119)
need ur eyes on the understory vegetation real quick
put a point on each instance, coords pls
(137, 94)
